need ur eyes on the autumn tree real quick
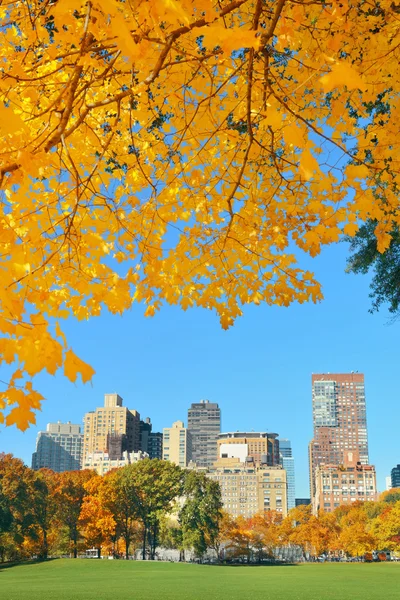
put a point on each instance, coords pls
(69, 494)
(178, 151)
(356, 537)
(240, 540)
(386, 528)
(96, 520)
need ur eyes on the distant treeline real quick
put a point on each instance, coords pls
(154, 503)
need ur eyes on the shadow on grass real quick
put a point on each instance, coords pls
(261, 565)
(24, 563)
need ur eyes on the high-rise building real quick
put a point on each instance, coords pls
(395, 477)
(339, 419)
(155, 446)
(145, 431)
(177, 444)
(150, 442)
(59, 448)
(287, 462)
(204, 423)
(113, 419)
(388, 482)
(262, 447)
(346, 483)
(303, 501)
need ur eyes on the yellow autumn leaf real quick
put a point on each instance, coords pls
(60, 334)
(341, 74)
(74, 365)
(308, 165)
(228, 39)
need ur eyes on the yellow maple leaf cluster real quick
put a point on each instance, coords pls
(176, 151)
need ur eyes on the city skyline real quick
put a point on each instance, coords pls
(120, 400)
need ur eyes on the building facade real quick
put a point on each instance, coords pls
(59, 448)
(115, 419)
(343, 484)
(287, 462)
(102, 462)
(339, 420)
(204, 424)
(155, 447)
(247, 489)
(177, 444)
(395, 477)
(150, 442)
(262, 447)
(303, 501)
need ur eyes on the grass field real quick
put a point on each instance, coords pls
(120, 580)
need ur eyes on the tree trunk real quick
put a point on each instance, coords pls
(75, 540)
(99, 552)
(45, 545)
(127, 547)
(144, 541)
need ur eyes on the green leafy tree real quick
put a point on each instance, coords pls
(385, 266)
(201, 514)
(122, 501)
(155, 486)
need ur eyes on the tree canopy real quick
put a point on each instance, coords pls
(182, 151)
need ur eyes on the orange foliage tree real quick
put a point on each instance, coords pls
(178, 151)
(96, 520)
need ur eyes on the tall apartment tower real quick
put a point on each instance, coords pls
(106, 425)
(287, 462)
(177, 444)
(395, 477)
(204, 423)
(150, 441)
(59, 448)
(340, 421)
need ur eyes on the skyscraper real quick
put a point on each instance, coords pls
(204, 423)
(177, 444)
(340, 421)
(150, 441)
(114, 419)
(395, 477)
(287, 462)
(59, 448)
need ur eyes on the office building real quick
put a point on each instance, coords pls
(155, 446)
(260, 446)
(177, 444)
(204, 424)
(287, 462)
(395, 477)
(145, 428)
(339, 419)
(113, 419)
(103, 462)
(388, 483)
(150, 442)
(302, 501)
(59, 448)
(350, 482)
(248, 489)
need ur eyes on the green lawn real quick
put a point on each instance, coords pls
(120, 580)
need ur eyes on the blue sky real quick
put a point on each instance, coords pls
(259, 371)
